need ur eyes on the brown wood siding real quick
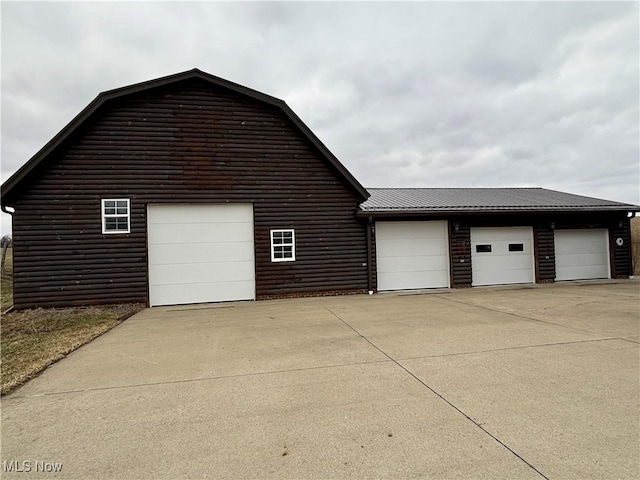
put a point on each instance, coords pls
(545, 253)
(621, 254)
(372, 259)
(372, 274)
(460, 245)
(190, 142)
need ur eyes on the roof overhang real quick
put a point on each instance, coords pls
(435, 213)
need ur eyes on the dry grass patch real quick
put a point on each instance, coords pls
(34, 339)
(635, 242)
(7, 281)
(7, 296)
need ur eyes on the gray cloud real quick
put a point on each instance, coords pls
(405, 94)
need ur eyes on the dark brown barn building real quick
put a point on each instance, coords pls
(190, 188)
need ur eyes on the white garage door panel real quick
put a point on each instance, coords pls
(507, 277)
(194, 293)
(500, 266)
(581, 259)
(412, 255)
(504, 235)
(192, 213)
(409, 247)
(580, 272)
(201, 272)
(412, 264)
(593, 246)
(402, 230)
(410, 281)
(217, 232)
(200, 253)
(169, 254)
(582, 254)
(505, 262)
(407, 280)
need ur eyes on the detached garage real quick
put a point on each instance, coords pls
(494, 236)
(184, 189)
(191, 188)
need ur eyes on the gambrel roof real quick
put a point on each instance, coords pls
(16, 179)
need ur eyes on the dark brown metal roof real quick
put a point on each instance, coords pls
(16, 179)
(459, 200)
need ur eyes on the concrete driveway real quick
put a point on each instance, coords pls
(535, 382)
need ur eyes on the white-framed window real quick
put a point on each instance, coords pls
(283, 245)
(116, 214)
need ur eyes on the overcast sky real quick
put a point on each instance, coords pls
(432, 94)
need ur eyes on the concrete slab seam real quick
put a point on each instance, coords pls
(448, 402)
(188, 380)
(524, 317)
(473, 352)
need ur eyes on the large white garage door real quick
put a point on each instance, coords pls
(200, 253)
(412, 255)
(582, 254)
(501, 255)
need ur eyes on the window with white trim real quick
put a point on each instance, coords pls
(116, 213)
(283, 245)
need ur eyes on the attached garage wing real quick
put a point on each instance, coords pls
(412, 255)
(501, 255)
(582, 254)
(200, 253)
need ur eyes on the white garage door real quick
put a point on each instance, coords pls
(412, 255)
(501, 255)
(582, 254)
(200, 253)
